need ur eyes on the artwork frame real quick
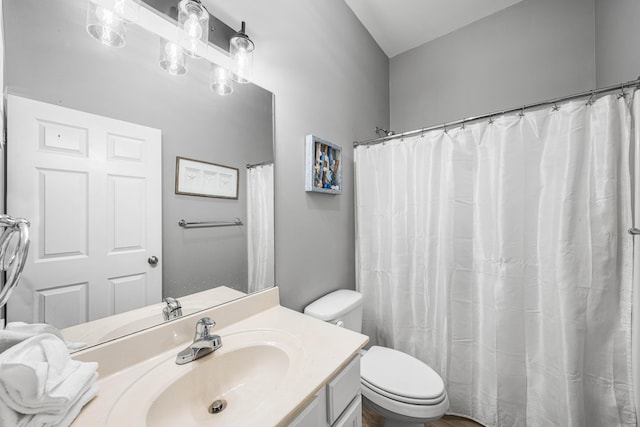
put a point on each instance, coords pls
(323, 166)
(206, 179)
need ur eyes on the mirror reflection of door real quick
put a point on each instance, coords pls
(91, 187)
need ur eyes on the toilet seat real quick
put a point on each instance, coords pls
(403, 399)
(400, 376)
(400, 384)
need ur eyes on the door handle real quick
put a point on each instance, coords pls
(153, 260)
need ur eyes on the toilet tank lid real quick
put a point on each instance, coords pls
(334, 305)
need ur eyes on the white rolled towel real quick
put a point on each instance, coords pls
(16, 332)
(38, 376)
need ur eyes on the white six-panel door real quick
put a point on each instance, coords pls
(91, 187)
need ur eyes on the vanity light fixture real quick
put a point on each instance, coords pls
(106, 19)
(193, 21)
(172, 58)
(241, 50)
(221, 80)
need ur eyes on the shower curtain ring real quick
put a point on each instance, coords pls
(591, 98)
(521, 113)
(491, 120)
(622, 94)
(555, 106)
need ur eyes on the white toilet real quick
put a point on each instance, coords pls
(399, 387)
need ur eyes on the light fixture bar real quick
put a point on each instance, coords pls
(157, 23)
(219, 38)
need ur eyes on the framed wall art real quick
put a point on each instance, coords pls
(323, 166)
(204, 179)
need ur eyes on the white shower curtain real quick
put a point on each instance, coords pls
(498, 254)
(260, 223)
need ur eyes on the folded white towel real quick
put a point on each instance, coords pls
(9, 417)
(38, 376)
(16, 332)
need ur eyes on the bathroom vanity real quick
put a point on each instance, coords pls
(276, 367)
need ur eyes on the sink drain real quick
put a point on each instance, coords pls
(217, 406)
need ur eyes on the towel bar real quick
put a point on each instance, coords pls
(200, 224)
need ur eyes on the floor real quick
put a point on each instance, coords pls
(371, 419)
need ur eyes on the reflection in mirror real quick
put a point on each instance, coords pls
(93, 137)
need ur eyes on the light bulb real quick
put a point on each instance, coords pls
(171, 50)
(242, 64)
(105, 16)
(221, 81)
(192, 27)
(172, 58)
(127, 10)
(118, 6)
(193, 21)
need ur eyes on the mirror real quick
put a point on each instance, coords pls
(50, 58)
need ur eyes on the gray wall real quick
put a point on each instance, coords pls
(617, 41)
(330, 79)
(532, 51)
(52, 59)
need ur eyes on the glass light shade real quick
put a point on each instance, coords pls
(105, 25)
(172, 58)
(193, 21)
(221, 81)
(127, 10)
(241, 50)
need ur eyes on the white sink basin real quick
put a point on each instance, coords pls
(246, 374)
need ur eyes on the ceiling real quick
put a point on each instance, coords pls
(401, 25)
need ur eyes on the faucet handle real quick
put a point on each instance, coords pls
(172, 303)
(172, 310)
(203, 328)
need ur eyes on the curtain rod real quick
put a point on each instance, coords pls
(255, 165)
(590, 93)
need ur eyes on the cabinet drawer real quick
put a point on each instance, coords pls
(352, 416)
(342, 389)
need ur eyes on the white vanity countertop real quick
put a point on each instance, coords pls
(324, 350)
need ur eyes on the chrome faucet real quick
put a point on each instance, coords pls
(173, 309)
(203, 342)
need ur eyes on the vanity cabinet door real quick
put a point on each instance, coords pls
(338, 403)
(342, 389)
(352, 416)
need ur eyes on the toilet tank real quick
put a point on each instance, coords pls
(342, 307)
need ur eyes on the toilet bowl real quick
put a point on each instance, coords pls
(401, 388)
